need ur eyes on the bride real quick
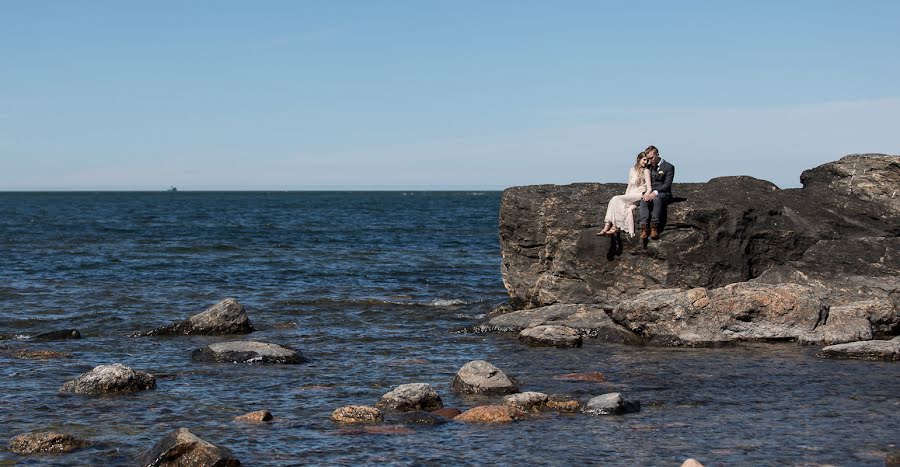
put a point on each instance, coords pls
(619, 214)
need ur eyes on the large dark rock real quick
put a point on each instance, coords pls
(110, 379)
(225, 317)
(183, 448)
(247, 352)
(730, 229)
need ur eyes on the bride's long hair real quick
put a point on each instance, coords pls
(637, 162)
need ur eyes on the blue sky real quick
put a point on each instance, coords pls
(436, 94)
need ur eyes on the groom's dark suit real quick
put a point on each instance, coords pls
(654, 212)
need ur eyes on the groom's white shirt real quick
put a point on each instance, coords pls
(661, 160)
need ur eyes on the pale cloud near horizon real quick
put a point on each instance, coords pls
(773, 143)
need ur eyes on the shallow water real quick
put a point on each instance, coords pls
(371, 286)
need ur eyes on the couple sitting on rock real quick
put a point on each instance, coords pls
(650, 187)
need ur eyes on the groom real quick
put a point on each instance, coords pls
(653, 205)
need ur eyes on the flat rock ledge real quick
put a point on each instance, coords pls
(413, 396)
(357, 414)
(611, 404)
(588, 320)
(480, 377)
(529, 401)
(225, 317)
(551, 336)
(110, 379)
(46, 442)
(247, 352)
(490, 414)
(864, 350)
(183, 448)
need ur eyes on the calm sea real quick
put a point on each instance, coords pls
(371, 286)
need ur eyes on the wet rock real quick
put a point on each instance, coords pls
(258, 416)
(46, 442)
(183, 448)
(866, 350)
(691, 463)
(420, 417)
(491, 414)
(587, 319)
(730, 229)
(26, 354)
(480, 377)
(611, 404)
(892, 459)
(414, 396)
(527, 401)
(743, 311)
(447, 412)
(500, 309)
(551, 336)
(357, 414)
(247, 352)
(110, 379)
(225, 317)
(59, 335)
(563, 404)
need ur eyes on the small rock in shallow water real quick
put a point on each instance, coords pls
(62, 334)
(527, 401)
(593, 376)
(611, 404)
(864, 350)
(46, 441)
(357, 414)
(447, 412)
(258, 416)
(225, 317)
(490, 414)
(691, 463)
(183, 448)
(551, 336)
(41, 354)
(480, 377)
(413, 396)
(247, 352)
(110, 379)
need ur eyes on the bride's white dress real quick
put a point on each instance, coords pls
(620, 209)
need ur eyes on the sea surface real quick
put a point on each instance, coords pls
(371, 287)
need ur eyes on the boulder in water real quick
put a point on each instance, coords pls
(258, 416)
(357, 414)
(225, 317)
(183, 448)
(247, 352)
(110, 379)
(480, 377)
(490, 414)
(527, 401)
(46, 442)
(611, 404)
(413, 396)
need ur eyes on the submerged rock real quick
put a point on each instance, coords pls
(527, 401)
(480, 377)
(46, 442)
(865, 350)
(247, 352)
(258, 416)
(447, 412)
(611, 404)
(26, 354)
(420, 417)
(183, 448)
(357, 414)
(414, 396)
(225, 317)
(110, 379)
(551, 336)
(491, 414)
(62, 334)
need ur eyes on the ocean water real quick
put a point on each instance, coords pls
(371, 287)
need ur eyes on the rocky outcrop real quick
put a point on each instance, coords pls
(247, 352)
(480, 377)
(46, 442)
(490, 414)
(225, 317)
(551, 336)
(357, 414)
(611, 404)
(413, 396)
(110, 379)
(589, 320)
(835, 239)
(866, 350)
(182, 448)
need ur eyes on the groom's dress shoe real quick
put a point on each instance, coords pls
(654, 232)
(645, 232)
